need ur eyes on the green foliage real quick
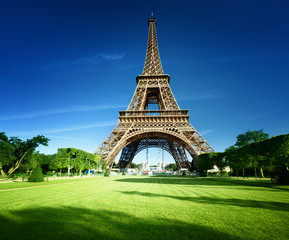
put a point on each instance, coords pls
(6, 153)
(22, 147)
(36, 175)
(237, 158)
(139, 166)
(22, 150)
(272, 154)
(250, 137)
(171, 167)
(39, 158)
(3, 137)
(194, 166)
(75, 159)
(61, 160)
(104, 165)
(218, 159)
(136, 166)
(106, 173)
(242, 158)
(105, 169)
(205, 162)
(18, 154)
(276, 150)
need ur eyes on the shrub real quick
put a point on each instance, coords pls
(36, 175)
(106, 173)
(202, 173)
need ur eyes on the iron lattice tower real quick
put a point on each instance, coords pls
(139, 128)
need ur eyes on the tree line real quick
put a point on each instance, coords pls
(253, 150)
(74, 159)
(18, 156)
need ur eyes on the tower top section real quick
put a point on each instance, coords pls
(153, 65)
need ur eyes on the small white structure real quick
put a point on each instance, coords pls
(216, 169)
(131, 171)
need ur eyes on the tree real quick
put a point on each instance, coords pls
(205, 163)
(232, 158)
(61, 160)
(105, 169)
(6, 155)
(133, 165)
(3, 137)
(40, 158)
(75, 158)
(171, 167)
(103, 166)
(92, 161)
(33, 161)
(246, 159)
(96, 162)
(22, 149)
(279, 149)
(46, 161)
(250, 137)
(271, 154)
(218, 160)
(80, 160)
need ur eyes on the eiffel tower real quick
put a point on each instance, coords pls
(140, 128)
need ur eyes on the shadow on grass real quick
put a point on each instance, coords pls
(226, 201)
(81, 223)
(182, 180)
(188, 180)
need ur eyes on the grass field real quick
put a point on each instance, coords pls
(142, 207)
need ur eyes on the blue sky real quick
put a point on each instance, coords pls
(68, 67)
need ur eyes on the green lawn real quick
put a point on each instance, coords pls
(142, 207)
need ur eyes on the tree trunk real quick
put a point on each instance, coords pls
(262, 173)
(60, 171)
(17, 164)
(80, 172)
(243, 173)
(68, 171)
(255, 172)
(3, 174)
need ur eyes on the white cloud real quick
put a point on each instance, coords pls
(89, 60)
(69, 109)
(112, 56)
(59, 130)
(97, 125)
(85, 60)
(206, 132)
